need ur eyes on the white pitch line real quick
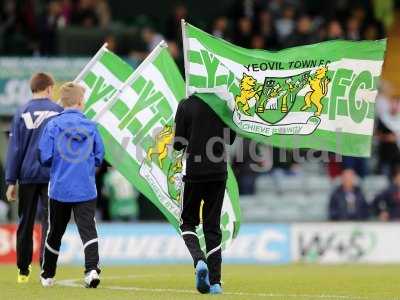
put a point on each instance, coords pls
(74, 283)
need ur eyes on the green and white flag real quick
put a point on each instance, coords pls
(319, 96)
(137, 126)
(102, 77)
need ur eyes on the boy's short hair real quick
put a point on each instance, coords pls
(41, 81)
(71, 94)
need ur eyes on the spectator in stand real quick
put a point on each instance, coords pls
(303, 34)
(387, 203)
(173, 24)
(334, 30)
(103, 12)
(353, 28)
(48, 25)
(244, 32)
(66, 11)
(257, 42)
(220, 27)
(267, 30)
(372, 31)
(85, 14)
(360, 13)
(285, 24)
(151, 38)
(347, 202)
(388, 149)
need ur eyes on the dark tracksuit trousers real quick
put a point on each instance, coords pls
(59, 216)
(28, 199)
(212, 193)
(203, 136)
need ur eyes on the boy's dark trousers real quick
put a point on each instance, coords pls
(212, 193)
(28, 198)
(59, 215)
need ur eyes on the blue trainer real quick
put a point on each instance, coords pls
(216, 289)
(202, 280)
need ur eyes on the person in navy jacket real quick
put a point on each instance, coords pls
(72, 147)
(23, 167)
(347, 201)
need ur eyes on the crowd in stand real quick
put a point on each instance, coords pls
(29, 27)
(348, 202)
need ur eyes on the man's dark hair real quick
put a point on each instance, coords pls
(40, 82)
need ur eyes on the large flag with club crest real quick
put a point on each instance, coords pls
(319, 96)
(135, 113)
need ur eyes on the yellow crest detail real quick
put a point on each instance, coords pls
(319, 88)
(160, 148)
(248, 90)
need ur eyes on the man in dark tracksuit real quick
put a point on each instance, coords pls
(23, 166)
(71, 145)
(203, 135)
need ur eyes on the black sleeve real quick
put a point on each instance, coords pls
(181, 138)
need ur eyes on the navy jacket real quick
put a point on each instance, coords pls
(71, 145)
(388, 200)
(22, 163)
(340, 209)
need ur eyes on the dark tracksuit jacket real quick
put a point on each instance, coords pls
(196, 124)
(23, 166)
(22, 159)
(203, 136)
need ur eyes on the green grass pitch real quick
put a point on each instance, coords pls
(303, 282)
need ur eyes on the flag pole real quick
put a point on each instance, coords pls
(185, 58)
(153, 54)
(90, 63)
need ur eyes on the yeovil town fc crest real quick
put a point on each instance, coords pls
(275, 106)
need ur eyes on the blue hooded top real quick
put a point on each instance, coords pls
(72, 147)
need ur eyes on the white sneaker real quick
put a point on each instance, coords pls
(47, 282)
(92, 279)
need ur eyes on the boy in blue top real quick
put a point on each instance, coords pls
(72, 147)
(23, 167)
